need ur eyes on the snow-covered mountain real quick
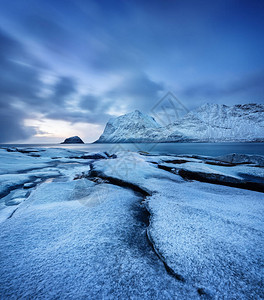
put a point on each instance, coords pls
(129, 128)
(215, 123)
(209, 123)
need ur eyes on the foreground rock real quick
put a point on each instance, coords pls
(82, 240)
(73, 140)
(243, 159)
(207, 235)
(94, 231)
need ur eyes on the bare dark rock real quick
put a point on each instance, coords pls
(248, 184)
(73, 140)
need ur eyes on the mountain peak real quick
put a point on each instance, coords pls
(135, 113)
(130, 127)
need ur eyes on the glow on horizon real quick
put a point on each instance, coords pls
(55, 131)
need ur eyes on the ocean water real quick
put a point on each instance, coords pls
(207, 149)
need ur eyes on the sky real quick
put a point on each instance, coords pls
(67, 66)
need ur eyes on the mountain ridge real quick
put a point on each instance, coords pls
(208, 123)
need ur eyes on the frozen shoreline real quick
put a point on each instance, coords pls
(79, 227)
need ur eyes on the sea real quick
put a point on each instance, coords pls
(206, 149)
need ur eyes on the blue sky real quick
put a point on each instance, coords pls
(68, 66)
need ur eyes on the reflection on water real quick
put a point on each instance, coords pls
(210, 149)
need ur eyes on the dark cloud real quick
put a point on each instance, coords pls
(90, 102)
(18, 82)
(83, 116)
(20, 89)
(136, 91)
(49, 32)
(18, 77)
(65, 87)
(11, 124)
(251, 87)
(20, 94)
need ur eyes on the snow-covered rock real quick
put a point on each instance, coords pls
(85, 233)
(61, 246)
(236, 158)
(205, 234)
(209, 123)
(92, 155)
(28, 185)
(73, 140)
(211, 236)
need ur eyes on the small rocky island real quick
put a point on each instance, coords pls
(73, 140)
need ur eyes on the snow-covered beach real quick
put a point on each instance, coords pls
(95, 225)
